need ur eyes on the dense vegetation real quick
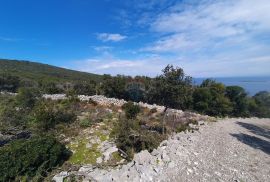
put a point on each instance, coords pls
(33, 158)
(175, 90)
(50, 79)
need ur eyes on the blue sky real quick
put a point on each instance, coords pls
(208, 38)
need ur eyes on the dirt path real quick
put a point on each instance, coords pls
(227, 150)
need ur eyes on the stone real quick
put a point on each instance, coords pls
(87, 168)
(171, 164)
(60, 177)
(155, 152)
(142, 158)
(99, 160)
(165, 157)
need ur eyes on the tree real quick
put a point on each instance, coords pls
(261, 104)
(171, 89)
(210, 99)
(85, 88)
(238, 97)
(114, 86)
(202, 100)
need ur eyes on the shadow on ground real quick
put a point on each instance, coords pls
(254, 142)
(255, 129)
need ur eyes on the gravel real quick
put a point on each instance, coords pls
(227, 150)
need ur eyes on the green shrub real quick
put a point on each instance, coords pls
(31, 157)
(10, 114)
(131, 110)
(27, 97)
(131, 138)
(85, 123)
(9, 83)
(46, 115)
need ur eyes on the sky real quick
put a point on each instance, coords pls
(207, 38)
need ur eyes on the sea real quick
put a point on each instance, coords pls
(252, 85)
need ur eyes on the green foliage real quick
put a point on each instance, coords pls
(72, 96)
(210, 99)
(259, 105)
(49, 87)
(27, 97)
(171, 89)
(131, 138)
(83, 154)
(33, 157)
(85, 123)
(85, 88)
(131, 110)
(47, 114)
(114, 86)
(49, 79)
(10, 114)
(238, 97)
(202, 100)
(9, 83)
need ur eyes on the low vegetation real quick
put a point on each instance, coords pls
(131, 136)
(31, 159)
(72, 124)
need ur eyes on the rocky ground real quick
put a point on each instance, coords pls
(227, 150)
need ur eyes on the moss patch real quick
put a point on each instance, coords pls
(82, 154)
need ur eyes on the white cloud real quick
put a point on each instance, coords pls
(209, 22)
(8, 39)
(216, 18)
(171, 43)
(106, 37)
(102, 48)
(217, 66)
(208, 38)
(149, 66)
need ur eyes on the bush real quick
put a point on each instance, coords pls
(131, 138)
(85, 123)
(27, 97)
(46, 115)
(131, 110)
(10, 114)
(33, 157)
(9, 83)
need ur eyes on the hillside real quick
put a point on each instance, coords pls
(33, 71)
